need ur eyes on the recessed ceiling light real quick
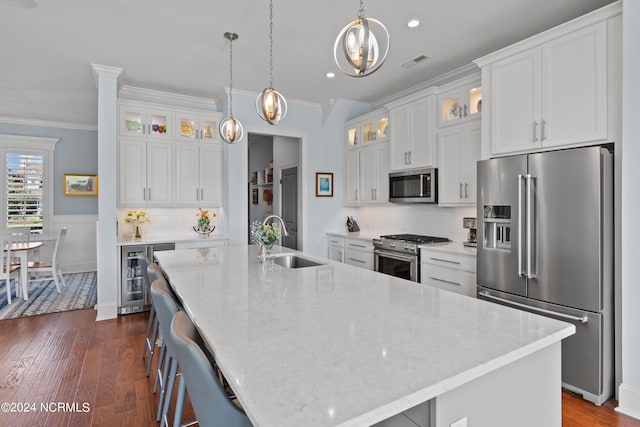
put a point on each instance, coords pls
(413, 23)
(330, 75)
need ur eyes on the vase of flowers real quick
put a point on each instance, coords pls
(136, 218)
(265, 236)
(204, 227)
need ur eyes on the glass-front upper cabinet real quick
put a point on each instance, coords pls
(459, 102)
(195, 126)
(369, 128)
(375, 129)
(351, 134)
(145, 120)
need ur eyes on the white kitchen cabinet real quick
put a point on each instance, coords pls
(196, 126)
(459, 101)
(335, 248)
(352, 174)
(367, 129)
(145, 120)
(145, 172)
(374, 174)
(198, 174)
(412, 133)
(551, 95)
(451, 270)
(359, 253)
(458, 151)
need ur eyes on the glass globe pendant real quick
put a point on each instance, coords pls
(356, 50)
(270, 104)
(230, 129)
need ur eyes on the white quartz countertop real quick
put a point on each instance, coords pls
(167, 238)
(336, 345)
(369, 236)
(453, 247)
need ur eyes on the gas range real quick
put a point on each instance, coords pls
(405, 243)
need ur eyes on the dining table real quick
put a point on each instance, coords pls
(21, 250)
(329, 344)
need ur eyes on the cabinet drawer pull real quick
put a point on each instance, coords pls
(445, 260)
(461, 190)
(445, 281)
(357, 260)
(542, 126)
(466, 190)
(356, 245)
(535, 131)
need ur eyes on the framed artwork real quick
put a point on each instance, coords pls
(254, 196)
(324, 184)
(80, 185)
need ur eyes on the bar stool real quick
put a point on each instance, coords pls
(209, 400)
(166, 307)
(152, 325)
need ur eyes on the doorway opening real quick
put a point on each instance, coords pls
(274, 183)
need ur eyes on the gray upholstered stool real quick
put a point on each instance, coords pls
(210, 402)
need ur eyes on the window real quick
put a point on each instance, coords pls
(26, 182)
(25, 191)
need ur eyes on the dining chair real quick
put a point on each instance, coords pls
(209, 400)
(9, 270)
(51, 269)
(166, 307)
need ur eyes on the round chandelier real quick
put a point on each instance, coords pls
(270, 104)
(361, 46)
(230, 128)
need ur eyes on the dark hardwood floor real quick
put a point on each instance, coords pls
(95, 372)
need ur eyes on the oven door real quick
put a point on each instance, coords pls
(396, 264)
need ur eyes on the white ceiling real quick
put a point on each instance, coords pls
(177, 46)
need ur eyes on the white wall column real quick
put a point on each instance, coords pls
(107, 81)
(629, 391)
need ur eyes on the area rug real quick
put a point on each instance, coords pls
(80, 292)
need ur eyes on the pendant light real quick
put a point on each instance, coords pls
(357, 50)
(271, 105)
(230, 128)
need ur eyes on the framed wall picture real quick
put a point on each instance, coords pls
(80, 184)
(324, 184)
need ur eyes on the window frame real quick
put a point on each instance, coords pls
(31, 145)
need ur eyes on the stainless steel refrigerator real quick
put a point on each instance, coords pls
(545, 245)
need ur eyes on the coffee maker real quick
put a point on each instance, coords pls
(470, 223)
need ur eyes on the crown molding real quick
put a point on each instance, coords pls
(442, 79)
(46, 123)
(7, 141)
(134, 93)
(107, 70)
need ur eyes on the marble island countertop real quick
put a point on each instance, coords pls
(335, 345)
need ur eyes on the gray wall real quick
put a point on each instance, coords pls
(76, 152)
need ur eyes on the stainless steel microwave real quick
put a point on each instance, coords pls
(414, 186)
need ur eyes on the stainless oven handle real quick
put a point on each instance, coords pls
(582, 319)
(394, 255)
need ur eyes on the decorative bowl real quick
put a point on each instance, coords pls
(204, 231)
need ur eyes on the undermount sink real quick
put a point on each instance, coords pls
(294, 261)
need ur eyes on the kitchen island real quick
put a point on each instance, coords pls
(335, 345)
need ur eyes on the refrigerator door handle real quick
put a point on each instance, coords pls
(529, 221)
(581, 319)
(520, 208)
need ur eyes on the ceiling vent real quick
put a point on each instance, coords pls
(414, 61)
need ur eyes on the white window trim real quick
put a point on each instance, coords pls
(47, 145)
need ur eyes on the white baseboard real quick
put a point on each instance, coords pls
(81, 267)
(629, 401)
(106, 312)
